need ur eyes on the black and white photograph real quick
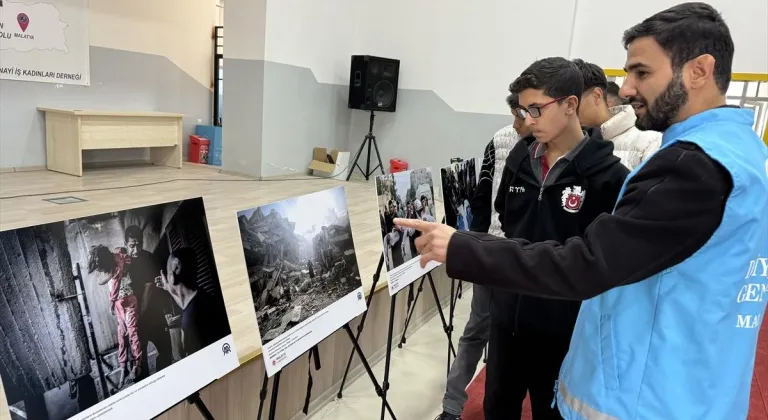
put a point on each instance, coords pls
(459, 181)
(409, 195)
(90, 307)
(301, 265)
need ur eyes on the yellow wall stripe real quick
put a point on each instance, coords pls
(739, 77)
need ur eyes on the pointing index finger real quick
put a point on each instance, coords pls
(417, 224)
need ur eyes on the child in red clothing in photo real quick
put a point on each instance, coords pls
(123, 303)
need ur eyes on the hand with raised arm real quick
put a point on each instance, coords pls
(433, 242)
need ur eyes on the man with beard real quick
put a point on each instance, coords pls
(143, 270)
(673, 278)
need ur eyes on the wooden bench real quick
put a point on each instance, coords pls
(70, 131)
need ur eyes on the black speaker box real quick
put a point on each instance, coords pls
(373, 83)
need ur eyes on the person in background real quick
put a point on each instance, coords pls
(153, 303)
(612, 95)
(672, 278)
(203, 318)
(554, 183)
(484, 219)
(617, 124)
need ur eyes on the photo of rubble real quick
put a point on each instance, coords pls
(409, 195)
(300, 258)
(459, 183)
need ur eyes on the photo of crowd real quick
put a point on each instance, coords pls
(91, 306)
(459, 181)
(410, 195)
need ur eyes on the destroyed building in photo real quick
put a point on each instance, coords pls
(294, 275)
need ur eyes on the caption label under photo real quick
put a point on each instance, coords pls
(162, 390)
(400, 277)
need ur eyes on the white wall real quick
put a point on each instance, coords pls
(180, 30)
(600, 25)
(320, 35)
(468, 53)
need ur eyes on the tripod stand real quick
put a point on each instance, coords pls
(447, 324)
(369, 139)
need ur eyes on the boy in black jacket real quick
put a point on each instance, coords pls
(554, 184)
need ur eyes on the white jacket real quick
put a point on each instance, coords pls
(503, 141)
(630, 144)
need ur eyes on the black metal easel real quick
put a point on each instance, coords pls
(447, 325)
(360, 326)
(195, 400)
(380, 390)
(369, 139)
(356, 349)
(273, 400)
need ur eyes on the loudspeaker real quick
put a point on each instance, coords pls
(373, 83)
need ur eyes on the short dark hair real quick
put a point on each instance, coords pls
(687, 31)
(592, 75)
(513, 100)
(613, 89)
(101, 259)
(556, 76)
(188, 260)
(134, 232)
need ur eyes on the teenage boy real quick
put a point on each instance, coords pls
(614, 99)
(616, 124)
(554, 183)
(673, 276)
(485, 219)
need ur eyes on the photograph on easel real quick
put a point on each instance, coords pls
(303, 271)
(101, 314)
(408, 195)
(459, 182)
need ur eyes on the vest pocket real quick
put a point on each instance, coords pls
(608, 353)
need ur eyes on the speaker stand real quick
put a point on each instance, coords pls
(369, 139)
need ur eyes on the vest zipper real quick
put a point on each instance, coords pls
(544, 182)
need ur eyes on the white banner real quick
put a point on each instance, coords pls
(45, 41)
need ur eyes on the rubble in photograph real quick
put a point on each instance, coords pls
(294, 276)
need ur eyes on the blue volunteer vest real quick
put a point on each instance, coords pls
(681, 344)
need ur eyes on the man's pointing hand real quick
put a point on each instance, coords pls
(433, 242)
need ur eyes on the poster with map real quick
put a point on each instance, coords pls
(45, 41)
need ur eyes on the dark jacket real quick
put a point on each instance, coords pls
(587, 186)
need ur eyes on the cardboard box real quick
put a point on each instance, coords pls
(336, 168)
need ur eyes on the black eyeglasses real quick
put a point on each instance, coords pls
(535, 110)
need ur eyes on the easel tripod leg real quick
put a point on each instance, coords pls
(410, 311)
(195, 400)
(364, 361)
(376, 277)
(388, 357)
(263, 394)
(451, 350)
(273, 402)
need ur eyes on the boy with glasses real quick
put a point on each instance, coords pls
(486, 220)
(553, 185)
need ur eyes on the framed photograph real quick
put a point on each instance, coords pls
(101, 314)
(459, 181)
(409, 195)
(302, 267)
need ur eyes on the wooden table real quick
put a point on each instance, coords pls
(70, 131)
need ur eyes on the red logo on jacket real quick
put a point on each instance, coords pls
(573, 199)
